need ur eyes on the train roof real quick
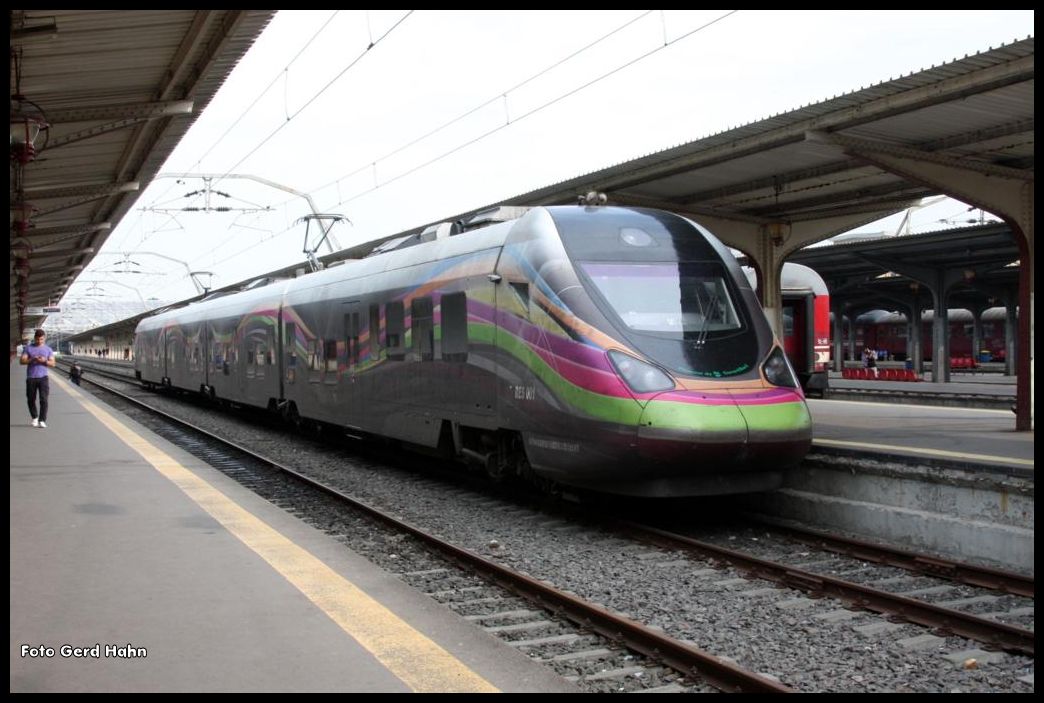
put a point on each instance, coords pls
(793, 278)
(883, 317)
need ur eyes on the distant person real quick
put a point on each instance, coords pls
(75, 373)
(38, 357)
(871, 359)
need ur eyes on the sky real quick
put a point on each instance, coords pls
(449, 111)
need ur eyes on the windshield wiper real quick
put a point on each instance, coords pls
(701, 335)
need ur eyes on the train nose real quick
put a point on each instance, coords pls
(779, 426)
(674, 423)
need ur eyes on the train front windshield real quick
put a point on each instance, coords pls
(682, 314)
(666, 299)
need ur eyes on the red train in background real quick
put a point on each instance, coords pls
(806, 324)
(886, 332)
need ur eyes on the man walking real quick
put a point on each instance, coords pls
(38, 357)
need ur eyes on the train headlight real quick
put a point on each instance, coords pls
(777, 369)
(640, 376)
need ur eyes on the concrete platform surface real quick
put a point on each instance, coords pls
(134, 567)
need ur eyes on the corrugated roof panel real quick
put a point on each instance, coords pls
(106, 57)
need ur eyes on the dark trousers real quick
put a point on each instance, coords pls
(32, 387)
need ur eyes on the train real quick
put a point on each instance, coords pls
(805, 315)
(806, 326)
(620, 350)
(886, 332)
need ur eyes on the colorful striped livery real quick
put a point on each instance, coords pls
(613, 349)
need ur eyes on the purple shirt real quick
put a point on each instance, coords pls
(37, 369)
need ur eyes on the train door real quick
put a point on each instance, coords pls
(161, 356)
(289, 357)
(352, 334)
(348, 395)
(167, 344)
(797, 332)
(801, 343)
(484, 364)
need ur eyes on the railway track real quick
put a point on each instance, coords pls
(600, 663)
(905, 606)
(686, 661)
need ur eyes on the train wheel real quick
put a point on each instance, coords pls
(291, 415)
(545, 485)
(498, 468)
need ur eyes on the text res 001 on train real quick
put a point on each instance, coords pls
(621, 350)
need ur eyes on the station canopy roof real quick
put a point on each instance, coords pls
(866, 274)
(976, 112)
(119, 89)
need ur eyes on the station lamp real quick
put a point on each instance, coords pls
(27, 121)
(21, 214)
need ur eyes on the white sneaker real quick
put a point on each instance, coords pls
(35, 423)
(43, 424)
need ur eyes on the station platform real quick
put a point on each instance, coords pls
(166, 575)
(961, 384)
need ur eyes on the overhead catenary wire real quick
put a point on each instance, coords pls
(518, 119)
(658, 48)
(281, 74)
(539, 108)
(499, 95)
(320, 92)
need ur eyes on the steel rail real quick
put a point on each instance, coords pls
(999, 635)
(678, 655)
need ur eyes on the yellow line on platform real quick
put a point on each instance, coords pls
(919, 450)
(419, 662)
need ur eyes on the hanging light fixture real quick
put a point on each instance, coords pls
(21, 214)
(27, 119)
(21, 267)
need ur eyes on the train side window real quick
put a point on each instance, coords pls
(375, 332)
(315, 360)
(259, 372)
(423, 329)
(330, 354)
(521, 291)
(395, 314)
(351, 334)
(455, 327)
(290, 350)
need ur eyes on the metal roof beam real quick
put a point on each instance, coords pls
(881, 197)
(120, 111)
(979, 136)
(776, 181)
(863, 147)
(129, 187)
(630, 199)
(100, 189)
(68, 253)
(181, 108)
(67, 229)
